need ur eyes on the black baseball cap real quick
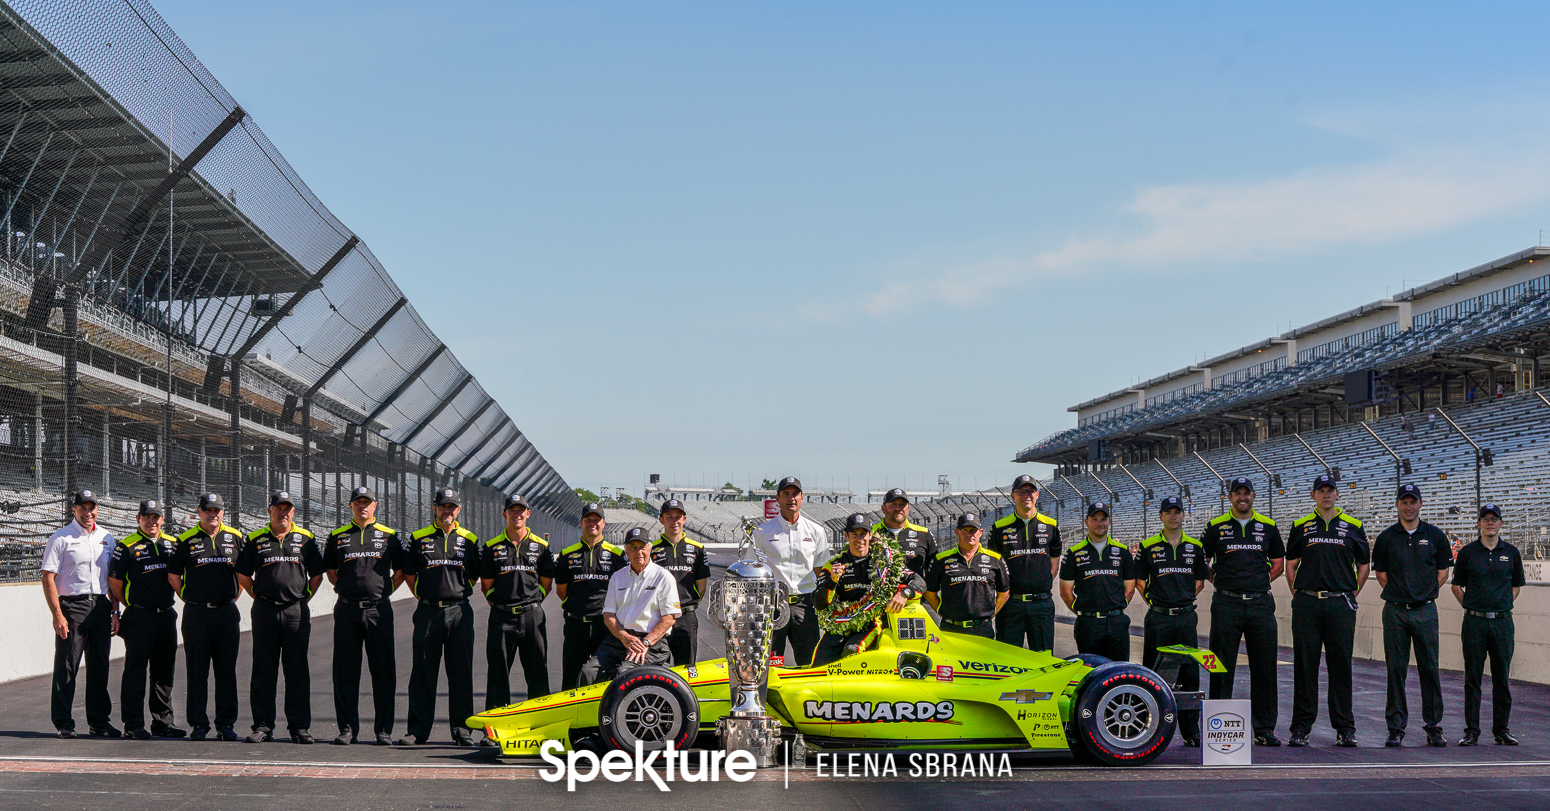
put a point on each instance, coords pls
(150, 507)
(789, 481)
(1170, 503)
(591, 507)
(363, 492)
(672, 504)
(894, 495)
(857, 521)
(1491, 509)
(1025, 481)
(447, 496)
(969, 520)
(83, 497)
(1098, 507)
(515, 500)
(279, 497)
(1242, 481)
(1408, 490)
(635, 534)
(211, 501)
(1323, 480)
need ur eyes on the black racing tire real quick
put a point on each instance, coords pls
(1090, 659)
(649, 704)
(1124, 715)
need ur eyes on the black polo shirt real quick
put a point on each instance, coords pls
(1170, 573)
(1329, 552)
(686, 560)
(141, 562)
(208, 565)
(1098, 574)
(917, 542)
(363, 559)
(856, 580)
(282, 568)
(1488, 576)
(1028, 546)
(967, 588)
(584, 570)
(516, 569)
(1411, 560)
(442, 563)
(1240, 554)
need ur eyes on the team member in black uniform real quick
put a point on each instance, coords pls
(359, 558)
(1097, 580)
(684, 557)
(916, 541)
(968, 584)
(440, 564)
(1412, 559)
(847, 578)
(515, 573)
(1029, 542)
(1246, 553)
(281, 567)
(581, 573)
(1327, 559)
(137, 577)
(204, 573)
(1486, 580)
(1170, 571)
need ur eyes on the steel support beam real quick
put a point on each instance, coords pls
(440, 407)
(516, 435)
(478, 412)
(388, 401)
(514, 468)
(356, 347)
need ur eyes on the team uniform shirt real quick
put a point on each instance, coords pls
(1411, 560)
(856, 580)
(640, 601)
(968, 588)
(584, 571)
(1170, 573)
(208, 565)
(1099, 572)
(79, 559)
(1240, 554)
(916, 541)
(793, 550)
(1329, 551)
(363, 559)
(687, 562)
(1488, 576)
(141, 563)
(1028, 545)
(516, 568)
(282, 567)
(442, 563)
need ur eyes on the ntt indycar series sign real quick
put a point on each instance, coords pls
(1225, 735)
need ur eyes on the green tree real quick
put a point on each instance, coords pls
(767, 485)
(586, 495)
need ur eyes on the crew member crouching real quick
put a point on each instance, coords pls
(640, 609)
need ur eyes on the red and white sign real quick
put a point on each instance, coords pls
(771, 509)
(944, 672)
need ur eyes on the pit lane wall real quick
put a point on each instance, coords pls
(27, 636)
(1531, 618)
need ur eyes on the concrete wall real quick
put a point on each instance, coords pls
(1531, 617)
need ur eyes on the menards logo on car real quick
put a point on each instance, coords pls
(883, 711)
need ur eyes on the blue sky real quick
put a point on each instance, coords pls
(872, 243)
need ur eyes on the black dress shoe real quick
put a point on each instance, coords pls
(228, 734)
(1268, 739)
(462, 737)
(198, 733)
(410, 740)
(1298, 739)
(141, 734)
(1470, 739)
(260, 736)
(67, 734)
(162, 731)
(1396, 739)
(1347, 740)
(1434, 738)
(302, 736)
(384, 739)
(345, 738)
(1505, 739)
(105, 731)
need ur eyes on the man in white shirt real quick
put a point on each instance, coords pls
(795, 546)
(641, 607)
(75, 584)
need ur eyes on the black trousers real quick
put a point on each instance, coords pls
(371, 629)
(91, 634)
(1322, 626)
(281, 635)
(802, 630)
(1402, 628)
(581, 641)
(150, 643)
(985, 628)
(831, 647)
(610, 661)
(683, 640)
(1108, 637)
(507, 637)
(1033, 622)
(1252, 622)
(211, 638)
(1494, 639)
(1159, 630)
(441, 631)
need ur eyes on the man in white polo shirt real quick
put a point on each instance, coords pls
(75, 584)
(641, 607)
(795, 546)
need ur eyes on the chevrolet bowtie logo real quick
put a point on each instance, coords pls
(1026, 696)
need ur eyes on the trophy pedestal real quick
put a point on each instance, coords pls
(758, 736)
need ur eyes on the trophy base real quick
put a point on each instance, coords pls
(758, 736)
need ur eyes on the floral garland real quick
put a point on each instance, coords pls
(887, 562)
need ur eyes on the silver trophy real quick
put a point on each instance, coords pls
(750, 603)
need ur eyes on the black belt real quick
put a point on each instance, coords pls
(80, 597)
(278, 604)
(1241, 595)
(1031, 598)
(443, 603)
(148, 608)
(1324, 595)
(1099, 615)
(1410, 606)
(1490, 615)
(361, 604)
(517, 610)
(1172, 612)
(208, 605)
(584, 617)
(967, 623)
(799, 598)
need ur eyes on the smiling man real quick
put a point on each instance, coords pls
(75, 585)
(794, 545)
(1412, 560)
(641, 607)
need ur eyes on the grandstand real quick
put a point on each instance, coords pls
(1441, 380)
(179, 313)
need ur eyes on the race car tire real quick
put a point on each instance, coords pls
(1124, 715)
(649, 704)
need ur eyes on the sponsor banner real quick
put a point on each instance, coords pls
(1226, 736)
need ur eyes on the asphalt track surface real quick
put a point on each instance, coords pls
(38, 770)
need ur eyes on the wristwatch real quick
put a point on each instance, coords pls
(907, 590)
